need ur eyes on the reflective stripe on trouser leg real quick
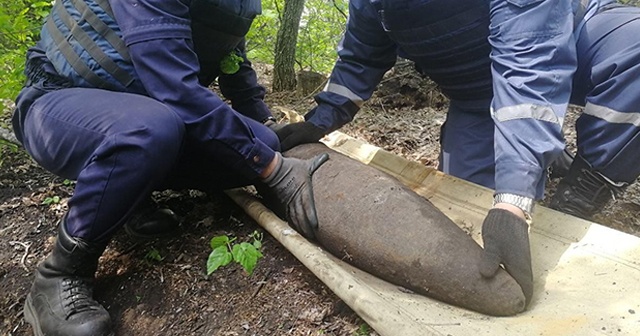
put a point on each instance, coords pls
(608, 80)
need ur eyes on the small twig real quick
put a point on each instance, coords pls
(394, 77)
(382, 106)
(405, 290)
(260, 285)
(13, 305)
(5, 229)
(347, 256)
(129, 249)
(335, 5)
(324, 82)
(26, 252)
(16, 327)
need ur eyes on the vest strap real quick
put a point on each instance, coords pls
(102, 28)
(76, 62)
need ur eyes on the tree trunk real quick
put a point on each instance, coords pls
(284, 76)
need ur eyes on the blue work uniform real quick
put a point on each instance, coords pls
(508, 68)
(130, 112)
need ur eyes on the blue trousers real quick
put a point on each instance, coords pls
(119, 147)
(466, 142)
(606, 84)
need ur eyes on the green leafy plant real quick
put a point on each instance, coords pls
(321, 28)
(225, 250)
(154, 255)
(51, 200)
(20, 23)
(363, 330)
(230, 64)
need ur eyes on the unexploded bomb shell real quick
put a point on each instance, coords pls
(382, 227)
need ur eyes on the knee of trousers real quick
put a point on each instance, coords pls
(155, 142)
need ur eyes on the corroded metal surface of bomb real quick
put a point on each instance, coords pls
(372, 221)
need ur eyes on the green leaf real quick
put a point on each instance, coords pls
(246, 255)
(49, 200)
(230, 64)
(154, 254)
(219, 241)
(219, 257)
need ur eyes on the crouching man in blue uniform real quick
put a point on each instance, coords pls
(117, 99)
(510, 69)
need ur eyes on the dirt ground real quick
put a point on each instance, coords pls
(160, 287)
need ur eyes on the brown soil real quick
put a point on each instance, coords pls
(174, 296)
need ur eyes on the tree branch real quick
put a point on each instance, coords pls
(339, 9)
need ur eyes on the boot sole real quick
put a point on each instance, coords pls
(32, 318)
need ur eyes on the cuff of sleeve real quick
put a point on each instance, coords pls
(257, 111)
(259, 158)
(325, 117)
(332, 112)
(520, 179)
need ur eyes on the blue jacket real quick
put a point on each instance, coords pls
(156, 56)
(531, 60)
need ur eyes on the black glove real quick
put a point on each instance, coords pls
(506, 241)
(272, 124)
(298, 133)
(291, 183)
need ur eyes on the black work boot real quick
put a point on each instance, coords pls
(61, 302)
(150, 222)
(584, 191)
(560, 167)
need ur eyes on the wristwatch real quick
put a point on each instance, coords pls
(524, 203)
(269, 118)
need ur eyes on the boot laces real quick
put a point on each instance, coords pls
(596, 188)
(77, 296)
(590, 193)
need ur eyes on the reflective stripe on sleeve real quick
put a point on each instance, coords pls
(527, 111)
(343, 91)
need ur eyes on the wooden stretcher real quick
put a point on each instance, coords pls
(586, 276)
